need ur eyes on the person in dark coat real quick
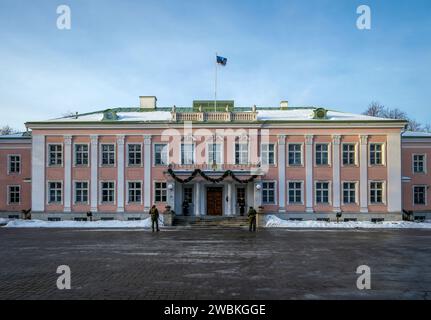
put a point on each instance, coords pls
(154, 218)
(252, 219)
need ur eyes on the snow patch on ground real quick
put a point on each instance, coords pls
(81, 224)
(272, 221)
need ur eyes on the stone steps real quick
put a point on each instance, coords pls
(210, 221)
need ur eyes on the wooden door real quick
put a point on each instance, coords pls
(214, 201)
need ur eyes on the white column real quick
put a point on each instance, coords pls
(94, 163)
(257, 195)
(309, 173)
(171, 194)
(120, 173)
(147, 173)
(229, 210)
(67, 187)
(393, 164)
(38, 173)
(281, 163)
(197, 203)
(336, 184)
(363, 164)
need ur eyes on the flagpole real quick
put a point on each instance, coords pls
(215, 86)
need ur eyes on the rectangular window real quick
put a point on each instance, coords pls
(295, 156)
(418, 163)
(322, 192)
(135, 192)
(108, 154)
(187, 153)
(55, 192)
(81, 154)
(160, 192)
(268, 192)
(348, 154)
(214, 153)
(349, 192)
(376, 192)
(134, 154)
(55, 154)
(108, 191)
(14, 163)
(14, 194)
(160, 154)
(419, 195)
(81, 192)
(241, 153)
(295, 192)
(376, 153)
(322, 154)
(268, 154)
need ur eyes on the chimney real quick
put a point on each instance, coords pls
(283, 105)
(148, 102)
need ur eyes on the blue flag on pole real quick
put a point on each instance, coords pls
(221, 60)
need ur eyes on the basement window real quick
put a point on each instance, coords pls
(133, 218)
(350, 219)
(80, 219)
(13, 216)
(54, 219)
(323, 219)
(375, 220)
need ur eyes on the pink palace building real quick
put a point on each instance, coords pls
(216, 159)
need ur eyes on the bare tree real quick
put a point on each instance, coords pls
(7, 130)
(375, 109)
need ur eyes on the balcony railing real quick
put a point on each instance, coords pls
(214, 116)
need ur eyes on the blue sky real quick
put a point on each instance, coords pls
(306, 52)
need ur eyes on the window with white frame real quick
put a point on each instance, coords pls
(215, 153)
(349, 157)
(295, 154)
(55, 190)
(108, 191)
(160, 154)
(14, 194)
(187, 153)
(376, 153)
(349, 192)
(376, 192)
(134, 192)
(322, 192)
(418, 163)
(241, 153)
(268, 192)
(55, 154)
(295, 192)
(322, 154)
(160, 192)
(108, 154)
(134, 154)
(268, 153)
(81, 192)
(81, 154)
(14, 163)
(419, 194)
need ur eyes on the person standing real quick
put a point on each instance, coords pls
(154, 217)
(252, 219)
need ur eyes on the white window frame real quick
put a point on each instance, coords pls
(329, 154)
(48, 155)
(9, 161)
(302, 192)
(74, 192)
(128, 188)
(8, 195)
(167, 154)
(247, 143)
(101, 202)
(194, 154)
(356, 159)
(154, 191)
(101, 154)
(75, 157)
(424, 163)
(301, 155)
(207, 152)
(356, 193)
(48, 192)
(425, 195)
(329, 193)
(267, 152)
(275, 202)
(383, 154)
(128, 154)
(383, 193)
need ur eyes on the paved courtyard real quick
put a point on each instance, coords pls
(184, 263)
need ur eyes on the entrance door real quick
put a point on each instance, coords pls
(214, 201)
(240, 201)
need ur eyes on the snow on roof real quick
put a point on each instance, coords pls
(15, 135)
(416, 134)
(307, 114)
